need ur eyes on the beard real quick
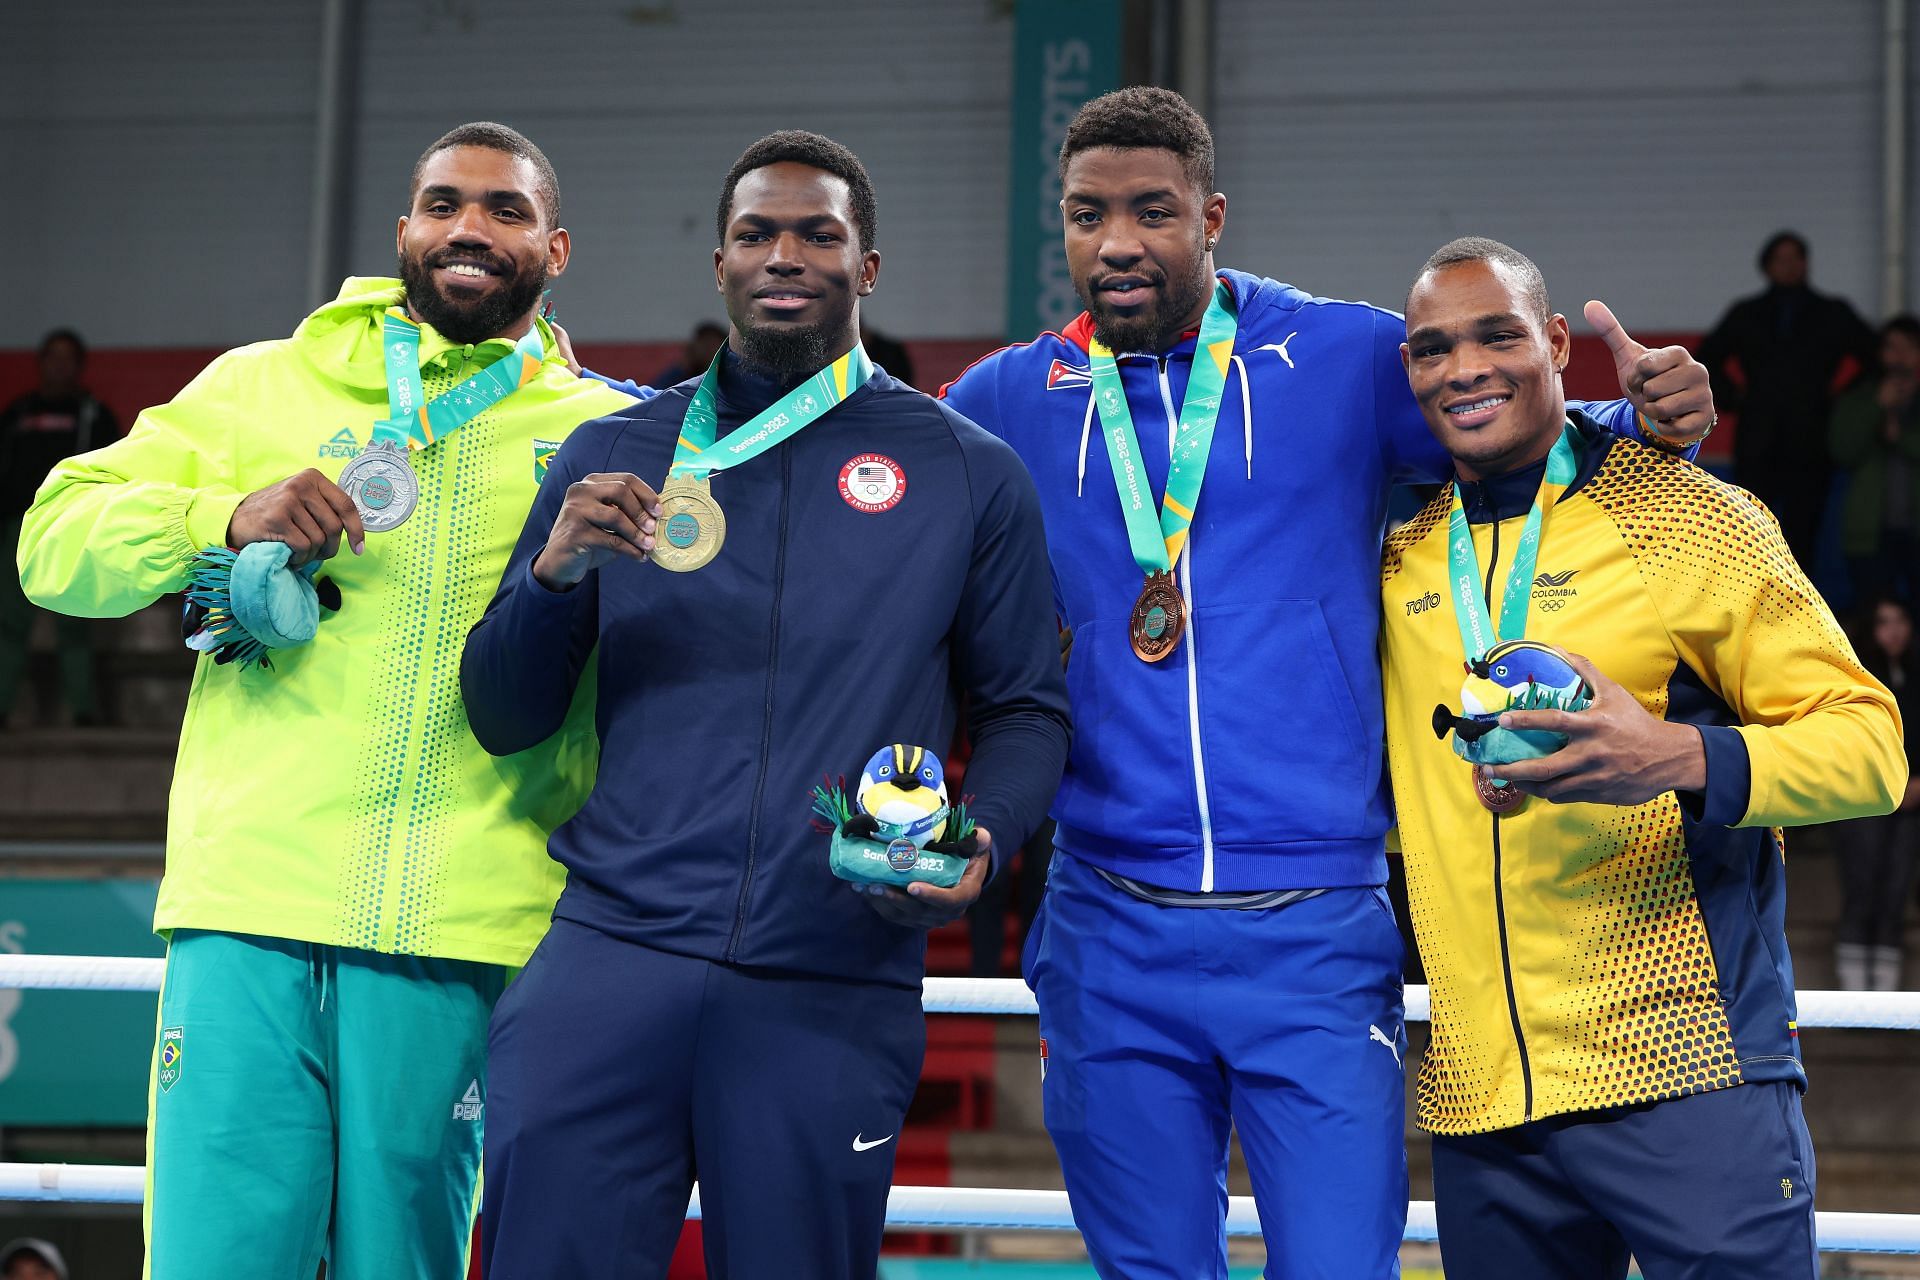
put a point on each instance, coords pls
(468, 322)
(786, 350)
(1160, 325)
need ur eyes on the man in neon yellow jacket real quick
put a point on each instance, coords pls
(350, 878)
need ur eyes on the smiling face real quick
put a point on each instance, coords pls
(1485, 367)
(476, 249)
(1137, 232)
(791, 268)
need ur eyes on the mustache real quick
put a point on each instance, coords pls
(1096, 284)
(497, 263)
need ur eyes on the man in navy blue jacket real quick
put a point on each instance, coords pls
(711, 1002)
(1216, 947)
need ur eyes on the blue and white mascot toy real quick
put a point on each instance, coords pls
(898, 826)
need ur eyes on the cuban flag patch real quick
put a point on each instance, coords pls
(1061, 375)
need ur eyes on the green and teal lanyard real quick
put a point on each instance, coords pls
(412, 421)
(1157, 538)
(1477, 634)
(698, 456)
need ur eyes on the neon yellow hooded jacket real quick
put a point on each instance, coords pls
(339, 796)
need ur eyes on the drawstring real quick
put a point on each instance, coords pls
(1246, 430)
(1086, 430)
(1246, 413)
(317, 974)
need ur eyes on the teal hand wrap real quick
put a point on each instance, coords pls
(277, 606)
(242, 604)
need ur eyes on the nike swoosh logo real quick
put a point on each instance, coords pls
(859, 1145)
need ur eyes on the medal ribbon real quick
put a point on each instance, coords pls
(1463, 565)
(697, 454)
(418, 425)
(1157, 543)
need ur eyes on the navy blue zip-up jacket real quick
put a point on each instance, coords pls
(1251, 757)
(823, 631)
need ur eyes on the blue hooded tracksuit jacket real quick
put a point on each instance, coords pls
(1250, 757)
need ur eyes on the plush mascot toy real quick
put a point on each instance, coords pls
(898, 827)
(1518, 675)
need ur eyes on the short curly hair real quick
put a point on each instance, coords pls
(816, 151)
(498, 137)
(1144, 116)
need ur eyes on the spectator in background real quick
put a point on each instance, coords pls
(1790, 343)
(695, 356)
(888, 354)
(1875, 432)
(29, 1259)
(38, 431)
(1877, 854)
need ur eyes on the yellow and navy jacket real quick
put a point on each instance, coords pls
(1583, 956)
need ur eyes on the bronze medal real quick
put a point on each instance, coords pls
(691, 527)
(1496, 800)
(1159, 618)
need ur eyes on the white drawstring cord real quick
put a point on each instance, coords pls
(1246, 413)
(1086, 430)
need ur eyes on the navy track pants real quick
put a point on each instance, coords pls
(1713, 1186)
(620, 1074)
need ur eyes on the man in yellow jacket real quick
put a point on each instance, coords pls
(350, 878)
(1593, 860)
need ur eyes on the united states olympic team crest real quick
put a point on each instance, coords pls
(872, 482)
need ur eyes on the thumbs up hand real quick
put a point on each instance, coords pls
(1666, 384)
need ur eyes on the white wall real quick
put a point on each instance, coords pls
(160, 155)
(1638, 151)
(166, 149)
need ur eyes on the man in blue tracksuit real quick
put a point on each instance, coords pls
(711, 1002)
(1216, 947)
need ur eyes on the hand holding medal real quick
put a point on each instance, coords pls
(606, 516)
(692, 526)
(307, 512)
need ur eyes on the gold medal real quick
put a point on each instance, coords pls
(691, 527)
(1497, 800)
(1159, 618)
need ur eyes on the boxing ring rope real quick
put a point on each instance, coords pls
(939, 1208)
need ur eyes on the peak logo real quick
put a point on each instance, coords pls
(1061, 376)
(343, 445)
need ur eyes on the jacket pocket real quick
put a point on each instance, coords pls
(1129, 772)
(1288, 754)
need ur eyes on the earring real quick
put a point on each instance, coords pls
(1209, 244)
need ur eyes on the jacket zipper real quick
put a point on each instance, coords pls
(1193, 662)
(1499, 893)
(766, 723)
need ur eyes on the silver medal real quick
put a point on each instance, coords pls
(382, 486)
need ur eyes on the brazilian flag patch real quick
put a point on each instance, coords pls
(543, 451)
(172, 1048)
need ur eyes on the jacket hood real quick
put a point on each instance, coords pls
(342, 338)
